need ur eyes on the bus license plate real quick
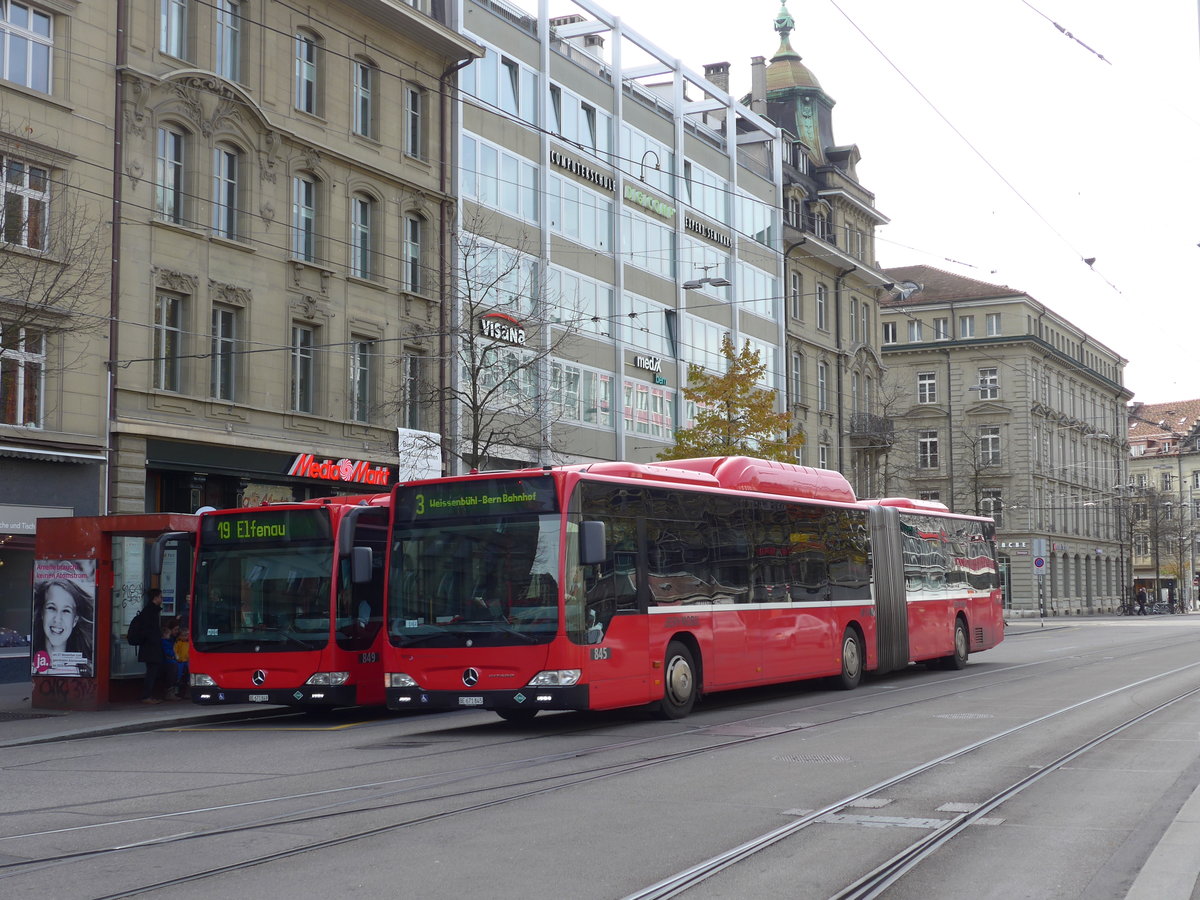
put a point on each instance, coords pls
(470, 701)
(257, 698)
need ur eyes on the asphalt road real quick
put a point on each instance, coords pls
(608, 805)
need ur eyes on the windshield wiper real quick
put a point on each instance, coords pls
(428, 637)
(291, 638)
(498, 625)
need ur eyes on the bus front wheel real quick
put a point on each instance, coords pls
(852, 661)
(680, 684)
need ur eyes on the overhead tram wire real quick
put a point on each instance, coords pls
(978, 153)
(471, 99)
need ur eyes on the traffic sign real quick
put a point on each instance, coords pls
(1039, 565)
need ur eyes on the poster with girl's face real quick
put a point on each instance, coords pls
(64, 617)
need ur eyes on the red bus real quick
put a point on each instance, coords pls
(287, 604)
(618, 584)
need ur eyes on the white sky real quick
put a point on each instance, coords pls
(1102, 155)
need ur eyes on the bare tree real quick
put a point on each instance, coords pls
(503, 384)
(54, 252)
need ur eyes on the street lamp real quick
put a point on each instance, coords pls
(697, 283)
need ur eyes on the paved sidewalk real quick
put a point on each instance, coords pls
(21, 724)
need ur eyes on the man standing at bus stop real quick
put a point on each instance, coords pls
(148, 628)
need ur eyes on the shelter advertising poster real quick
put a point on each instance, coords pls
(64, 617)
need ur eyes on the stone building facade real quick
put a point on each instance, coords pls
(284, 201)
(1005, 408)
(56, 153)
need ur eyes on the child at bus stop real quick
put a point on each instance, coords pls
(181, 661)
(170, 664)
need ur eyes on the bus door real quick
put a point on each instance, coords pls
(605, 609)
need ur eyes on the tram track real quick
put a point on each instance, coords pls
(883, 876)
(530, 788)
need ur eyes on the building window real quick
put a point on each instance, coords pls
(823, 456)
(304, 218)
(362, 219)
(993, 324)
(823, 386)
(966, 326)
(168, 342)
(854, 320)
(941, 329)
(796, 295)
(914, 331)
(989, 445)
(168, 188)
(223, 353)
(927, 387)
(889, 332)
(931, 496)
(414, 133)
(225, 192)
(229, 39)
(26, 204)
(173, 27)
(22, 375)
(364, 97)
(410, 410)
(26, 40)
(927, 449)
(411, 259)
(797, 378)
(307, 73)
(989, 384)
(822, 312)
(302, 368)
(361, 374)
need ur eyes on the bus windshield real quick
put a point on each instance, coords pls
(263, 582)
(464, 577)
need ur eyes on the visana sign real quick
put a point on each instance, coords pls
(502, 328)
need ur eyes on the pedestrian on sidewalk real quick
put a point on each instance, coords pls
(1141, 601)
(147, 627)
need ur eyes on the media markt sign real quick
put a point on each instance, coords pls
(358, 471)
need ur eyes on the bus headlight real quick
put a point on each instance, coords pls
(399, 680)
(329, 678)
(196, 679)
(556, 678)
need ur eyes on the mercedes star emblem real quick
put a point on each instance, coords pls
(259, 676)
(471, 677)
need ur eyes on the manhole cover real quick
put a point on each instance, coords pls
(964, 716)
(11, 716)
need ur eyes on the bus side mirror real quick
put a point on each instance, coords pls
(360, 565)
(159, 549)
(592, 549)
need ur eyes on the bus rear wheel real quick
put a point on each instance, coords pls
(680, 685)
(958, 659)
(852, 661)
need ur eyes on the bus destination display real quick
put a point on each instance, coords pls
(470, 499)
(280, 526)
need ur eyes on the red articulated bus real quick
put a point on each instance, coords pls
(619, 584)
(288, 604)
